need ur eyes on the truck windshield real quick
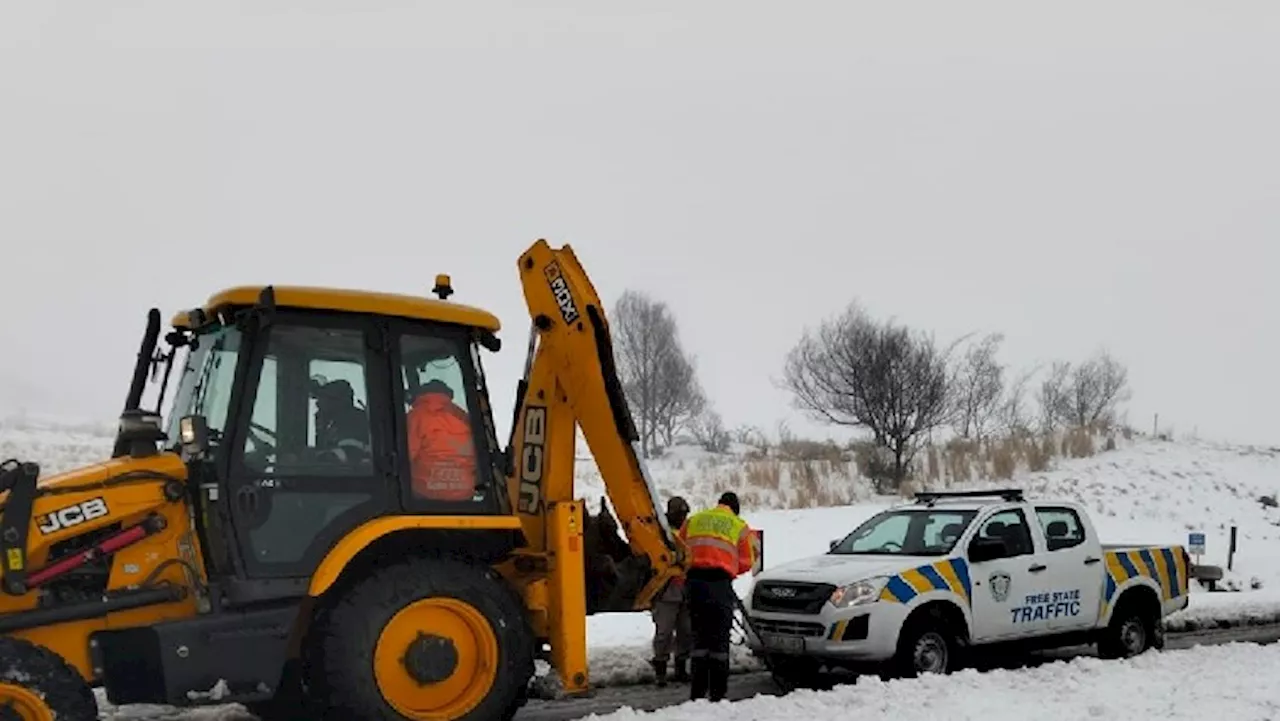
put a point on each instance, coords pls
(205, 381)
(928, 532)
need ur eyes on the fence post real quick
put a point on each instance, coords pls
(1231, 550)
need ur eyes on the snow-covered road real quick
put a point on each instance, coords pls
(1192, 684)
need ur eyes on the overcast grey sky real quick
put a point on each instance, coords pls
(1077, 175)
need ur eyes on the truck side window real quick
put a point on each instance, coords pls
(310, 415)
(1011, 526)
(1061, 526)
(439, 418)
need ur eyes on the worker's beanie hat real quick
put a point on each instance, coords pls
(730, 499)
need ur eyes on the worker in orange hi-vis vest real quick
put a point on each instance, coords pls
(441, 452)
(721, 548)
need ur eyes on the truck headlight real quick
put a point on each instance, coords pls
(858, 592)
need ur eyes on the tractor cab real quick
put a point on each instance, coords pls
(302, 414)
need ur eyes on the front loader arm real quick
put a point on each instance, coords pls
(571, 382)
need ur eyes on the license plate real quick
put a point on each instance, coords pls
(786, 644)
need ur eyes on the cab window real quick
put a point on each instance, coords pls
(310, 409)
(1061, 527)
(441, 419)
(1011, 527)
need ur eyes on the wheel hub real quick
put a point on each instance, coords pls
(22, 704)
(931, 654)
(431, 658)
(1133, 636)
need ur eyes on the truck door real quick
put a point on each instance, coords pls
(1008, 589)
(1075, 569)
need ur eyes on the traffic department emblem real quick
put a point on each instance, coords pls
(1000, 583)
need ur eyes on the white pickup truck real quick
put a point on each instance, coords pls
(918, 586)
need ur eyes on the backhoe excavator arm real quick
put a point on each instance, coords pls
(571, 382)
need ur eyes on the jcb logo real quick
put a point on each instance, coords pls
(82, 512)
(560, 289)
(532, 458)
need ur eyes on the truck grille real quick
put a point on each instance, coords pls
(788, 628)
(790, 597)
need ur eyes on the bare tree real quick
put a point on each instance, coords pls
(1097, 387)
(709, 431)
(658, 378)
(1084, 395)
(1053, 391)
(1011, 415)
(855, 372)
(977, 385)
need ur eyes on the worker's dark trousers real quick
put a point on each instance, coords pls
(712, 602)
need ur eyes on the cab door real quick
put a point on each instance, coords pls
(1075, 568)
(308, 461)
(1008, 590)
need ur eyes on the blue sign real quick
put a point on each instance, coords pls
(1195, 543)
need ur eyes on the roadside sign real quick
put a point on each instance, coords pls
(757, 542)
(1195, 544)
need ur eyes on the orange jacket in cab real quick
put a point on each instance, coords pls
(441, 453)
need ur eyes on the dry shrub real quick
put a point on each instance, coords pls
(960, 456)
(1078, 443)
(764, 475)
(1004, 459)
(751, 498)
(1039, 454)
(933, 469)
(803, 450)
(807, 490)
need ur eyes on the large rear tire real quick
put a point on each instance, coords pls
(1134, 628)
(36, 684)
(426, 639)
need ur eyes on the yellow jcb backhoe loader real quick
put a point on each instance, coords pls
(326, 525)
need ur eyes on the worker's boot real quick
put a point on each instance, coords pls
(717, 679)
(698, 677)
(681, 674)
(659, 671)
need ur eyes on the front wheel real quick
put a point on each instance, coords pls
(426, 639)
(36, 684)
(927, 645)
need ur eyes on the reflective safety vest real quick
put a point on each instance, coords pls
(441, 453)
(718, 538)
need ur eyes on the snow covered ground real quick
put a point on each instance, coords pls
(1192, 684)
(1148, 491)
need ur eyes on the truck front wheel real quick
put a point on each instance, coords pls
(36, 684)
(927, 645)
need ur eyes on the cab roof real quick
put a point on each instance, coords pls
(350, 301)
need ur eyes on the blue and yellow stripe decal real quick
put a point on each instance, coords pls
(1163, 565)
(948, 575)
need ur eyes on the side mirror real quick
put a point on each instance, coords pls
(831, 545)
(193, 434)
(987, 549)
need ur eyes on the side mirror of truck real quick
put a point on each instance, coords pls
(987, 549)
(831, 545)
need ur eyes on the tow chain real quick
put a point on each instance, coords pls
(743, 623)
